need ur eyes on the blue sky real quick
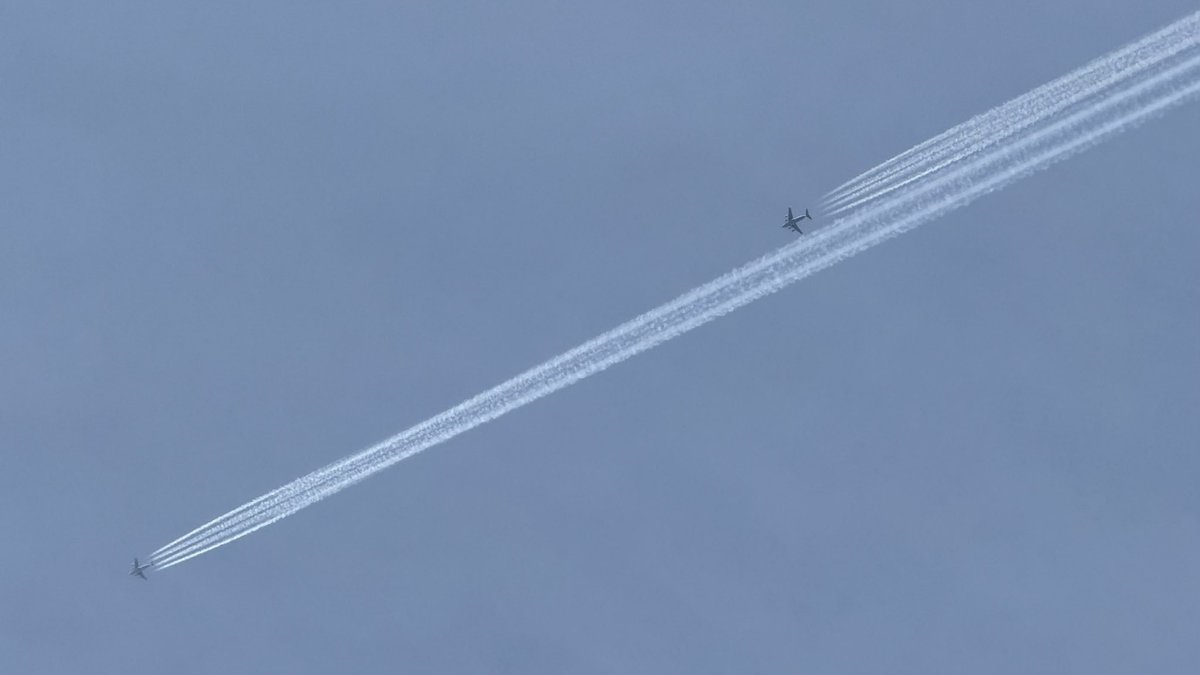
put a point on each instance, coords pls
(239, 243)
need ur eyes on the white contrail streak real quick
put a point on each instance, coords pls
(1169, 67)
(1067, 89)
(1009, 118)
(972, 141)
(1127, 101)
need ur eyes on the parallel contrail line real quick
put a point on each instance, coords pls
(985, 171)
(902, 181)
(1030, 107)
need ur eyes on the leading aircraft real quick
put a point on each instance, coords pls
(792, 222)
(137, 569)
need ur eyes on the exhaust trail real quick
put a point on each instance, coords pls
(1129, 101)
(1170, 67)
(1027, 109)
(1093, 76)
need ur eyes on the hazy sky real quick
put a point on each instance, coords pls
(237, 243)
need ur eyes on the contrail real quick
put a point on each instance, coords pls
(1063, 91)
(899, 182)
(1011, 117)
(1127, 101)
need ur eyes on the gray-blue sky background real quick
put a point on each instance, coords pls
(238, 243)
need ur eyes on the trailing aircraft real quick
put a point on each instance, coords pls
(792, 222)
(137, 569)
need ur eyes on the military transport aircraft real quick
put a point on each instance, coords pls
(792, 222)
(137, 569)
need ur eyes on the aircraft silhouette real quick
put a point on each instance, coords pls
(792, 222)
(137, 569)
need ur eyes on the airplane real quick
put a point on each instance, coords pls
(137, 569)
(791, 222)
